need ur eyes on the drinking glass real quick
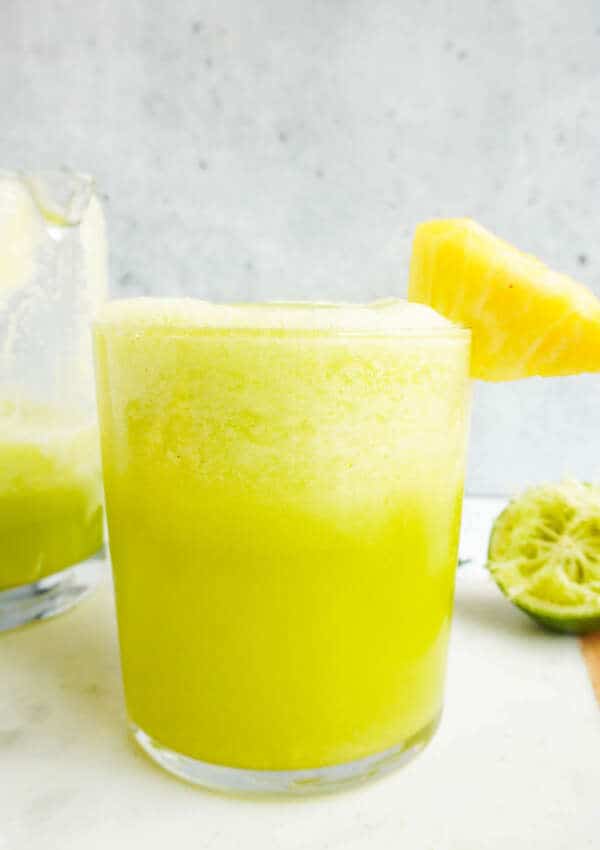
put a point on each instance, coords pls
(283, 488)
(52, 278)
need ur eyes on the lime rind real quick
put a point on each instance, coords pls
(544, 555)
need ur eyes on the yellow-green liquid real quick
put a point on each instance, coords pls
(50, 493)
(283, 513)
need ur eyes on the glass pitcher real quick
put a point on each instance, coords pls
(52, 278)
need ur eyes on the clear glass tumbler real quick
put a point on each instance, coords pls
(284, 488)
(52, 279)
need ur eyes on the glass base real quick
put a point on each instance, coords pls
(50, 595)
(320, 780)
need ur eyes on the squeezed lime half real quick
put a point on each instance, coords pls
(544, 555)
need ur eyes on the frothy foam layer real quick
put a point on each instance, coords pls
(389, 316)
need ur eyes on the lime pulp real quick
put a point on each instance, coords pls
(544, 555)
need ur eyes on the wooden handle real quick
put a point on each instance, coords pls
(590, 646)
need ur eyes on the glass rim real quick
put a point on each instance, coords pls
(458, 334)
(181, 324)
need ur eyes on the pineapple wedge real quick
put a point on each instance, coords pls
(525, 318)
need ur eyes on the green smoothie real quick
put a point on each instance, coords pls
(284, 488)
(50, 492)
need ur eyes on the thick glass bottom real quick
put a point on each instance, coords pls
(50, 595)
(321, 780)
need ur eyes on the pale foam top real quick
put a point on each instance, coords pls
(391, 315)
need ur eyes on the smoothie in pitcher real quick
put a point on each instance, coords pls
(50, 492)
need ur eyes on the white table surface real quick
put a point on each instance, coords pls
(515, 764)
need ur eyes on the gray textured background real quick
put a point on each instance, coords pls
(286, 148)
